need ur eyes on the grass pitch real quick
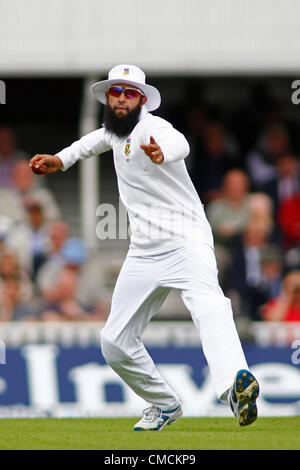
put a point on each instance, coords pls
(117, 434)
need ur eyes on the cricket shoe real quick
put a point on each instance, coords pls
(242, 397)
(155, 419)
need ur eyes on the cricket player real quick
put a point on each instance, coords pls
(171, 246)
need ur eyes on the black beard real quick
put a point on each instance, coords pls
(121, 126)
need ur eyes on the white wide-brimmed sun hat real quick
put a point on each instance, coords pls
(131, 75)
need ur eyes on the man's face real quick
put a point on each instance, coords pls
(122, 112)
(122, 105)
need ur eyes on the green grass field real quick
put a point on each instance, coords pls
(117, 434)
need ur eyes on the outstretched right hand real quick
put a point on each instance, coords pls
(45, 164)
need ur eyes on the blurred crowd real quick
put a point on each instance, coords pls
(246, 170)
(44, 271)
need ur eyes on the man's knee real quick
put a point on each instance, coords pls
(111, 350)
(212, 311)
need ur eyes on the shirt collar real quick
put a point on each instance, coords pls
(143, 113)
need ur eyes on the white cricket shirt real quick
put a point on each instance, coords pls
(163, 207)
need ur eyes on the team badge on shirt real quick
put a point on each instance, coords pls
(127, 148)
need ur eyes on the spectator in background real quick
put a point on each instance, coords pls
(11, 206)
(261, 163)
(16, 290)
(12, 307)
(218, 155)
(31, 239)
(286, 183)
(289, 221)
(261, 208)
(228, 217)
(10, 268)
(292, 258)
(246, 272)
(25, 185)
(66, 281)
(38, 233)
(59, 232)
(5, 228)
(13, 200)
(230, 214)
(74, 257)
(37, 242)
(286, 307)
(64, 305)
(268, 287)
(262, 211)
(271, 271)
(9, 155)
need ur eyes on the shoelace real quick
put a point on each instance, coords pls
(152, 412)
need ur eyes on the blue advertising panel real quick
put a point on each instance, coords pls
(49, 379)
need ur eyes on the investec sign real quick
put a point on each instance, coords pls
(75, 381)
(66, 375)
(2, 92)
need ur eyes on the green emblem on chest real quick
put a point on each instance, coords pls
(127, 147)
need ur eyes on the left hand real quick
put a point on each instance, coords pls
(153, 151)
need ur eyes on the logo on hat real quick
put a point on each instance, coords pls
(126, 71)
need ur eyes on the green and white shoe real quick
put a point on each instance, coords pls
(242, 397)
(155, 419)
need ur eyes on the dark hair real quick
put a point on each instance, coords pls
(121, 126)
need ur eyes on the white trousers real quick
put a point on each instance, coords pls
(143, 284)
